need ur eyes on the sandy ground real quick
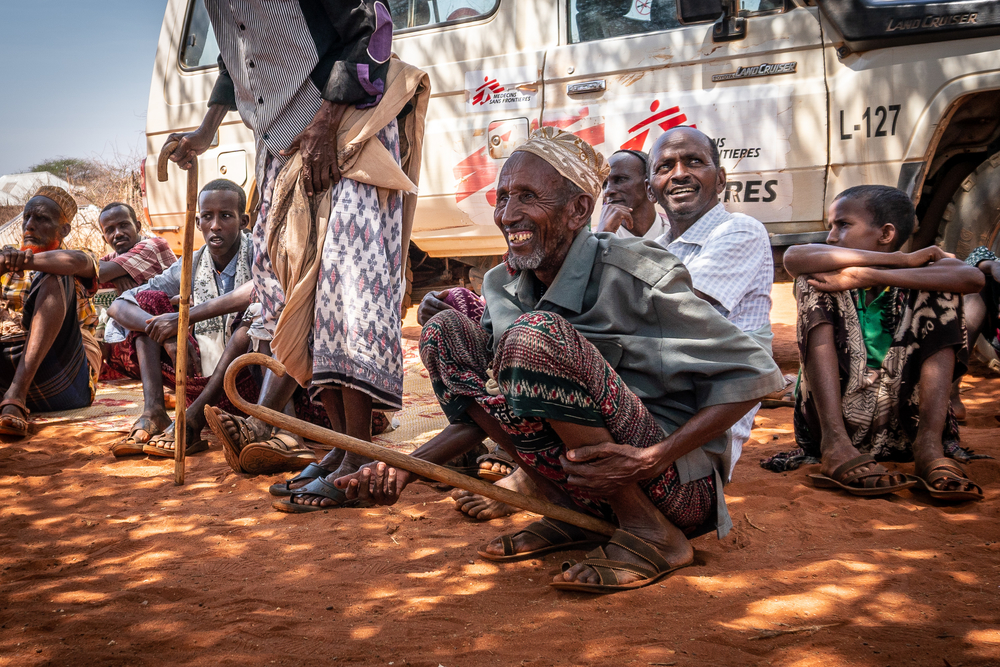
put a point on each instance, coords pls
(106, 562)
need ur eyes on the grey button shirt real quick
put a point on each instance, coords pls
(633, 300)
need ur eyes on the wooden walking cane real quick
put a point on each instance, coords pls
(181, 368)
(398, 459)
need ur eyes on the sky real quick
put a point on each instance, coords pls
(75, 78)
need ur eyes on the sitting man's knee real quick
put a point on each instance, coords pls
(537, 334)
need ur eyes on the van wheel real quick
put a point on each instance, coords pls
(972, 219)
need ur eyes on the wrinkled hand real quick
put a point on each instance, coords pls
(926, 256)
(432, 304)
(614, 216)
(603, 469)
(851, 277)
(13, 260)
(162, 328)
(318, 143)
(190, 145)
(375, 482)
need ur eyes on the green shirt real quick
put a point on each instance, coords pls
(872, 318)
(633, 300)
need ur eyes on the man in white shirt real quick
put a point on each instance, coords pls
(727, 254)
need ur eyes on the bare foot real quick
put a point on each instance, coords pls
(151, 422)
(482, 508)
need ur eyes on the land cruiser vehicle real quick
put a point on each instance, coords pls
(804, 98)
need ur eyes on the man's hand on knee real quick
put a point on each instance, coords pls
(375, 482)
(605, 468)
(432, 304)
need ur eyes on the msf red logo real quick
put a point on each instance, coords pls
(666, 119)
(485, 92)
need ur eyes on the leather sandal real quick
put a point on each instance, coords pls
(497, 455)
(12, 424)
(560, 536)
(607, 569)
(281, 453)
(230, 448)
(861, 475)
(947, 471)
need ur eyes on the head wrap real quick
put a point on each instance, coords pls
(571, 156)
(63, 199)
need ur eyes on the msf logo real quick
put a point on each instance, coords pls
(485, 92)
(666, 119)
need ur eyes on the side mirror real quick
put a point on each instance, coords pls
(729, 25)
(698, 11)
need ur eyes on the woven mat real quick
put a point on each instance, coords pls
(119, 404)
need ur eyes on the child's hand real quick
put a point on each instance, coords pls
(926, 256)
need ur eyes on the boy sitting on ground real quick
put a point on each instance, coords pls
(881, 339)
(220, 287)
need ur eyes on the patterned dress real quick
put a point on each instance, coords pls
(357, 336)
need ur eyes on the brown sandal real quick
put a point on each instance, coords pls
(12, 424)
(946, 470)
(655, 567)
(860, 476)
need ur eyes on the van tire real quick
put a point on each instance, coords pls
(972, 219)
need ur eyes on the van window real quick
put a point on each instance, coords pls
(601, 19)
(198, 48)
(425, 13)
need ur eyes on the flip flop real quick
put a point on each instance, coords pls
(607, 569)
(130, 446)
(497, 455)
(12, 424)
(154, 449)
(559, 535)
(280, 453)
(318, 487)
(284, 489)
(230, 448)
(860, 476)
(946, 469)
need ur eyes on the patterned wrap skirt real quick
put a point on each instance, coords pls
(546, 371)
(357, 334)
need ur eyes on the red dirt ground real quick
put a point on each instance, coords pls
(106, 562)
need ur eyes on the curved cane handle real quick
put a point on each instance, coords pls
(394, 458)
(161, 163)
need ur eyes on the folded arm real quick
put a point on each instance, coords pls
(823, 258)
(945, 275)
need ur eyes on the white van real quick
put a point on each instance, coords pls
(804, 98)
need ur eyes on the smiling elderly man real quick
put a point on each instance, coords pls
(598, 367)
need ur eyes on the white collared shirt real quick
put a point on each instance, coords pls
(729, 258)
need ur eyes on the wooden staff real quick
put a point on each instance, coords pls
(398, 459)
(181, 368)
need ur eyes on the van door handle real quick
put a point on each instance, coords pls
(586, 87)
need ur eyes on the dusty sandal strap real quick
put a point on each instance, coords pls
(17, 404)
